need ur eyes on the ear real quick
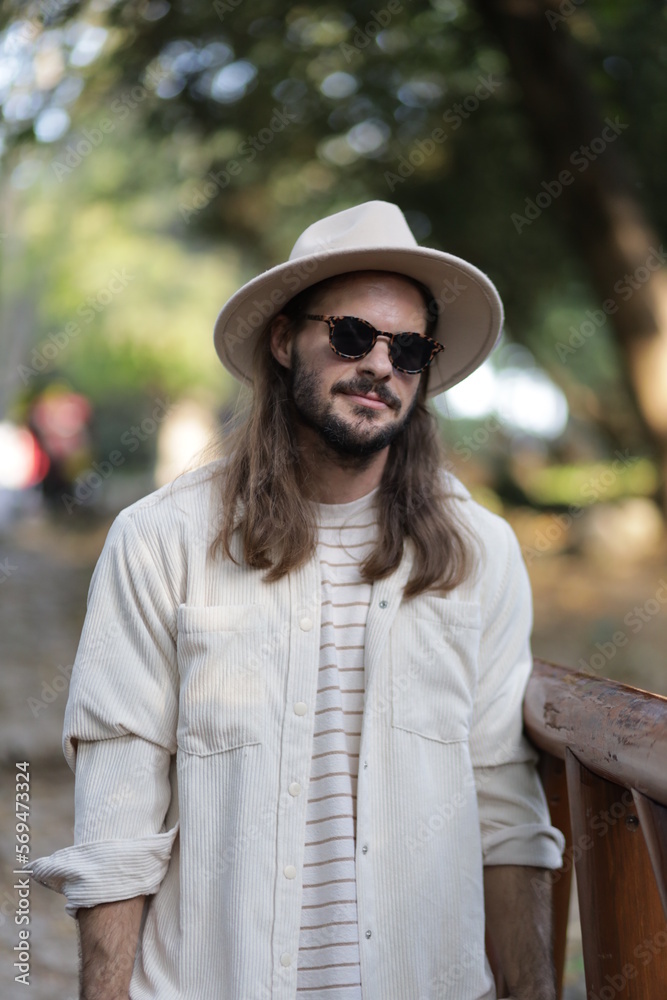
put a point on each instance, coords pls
(281, 339)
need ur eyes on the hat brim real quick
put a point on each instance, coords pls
(470, 310)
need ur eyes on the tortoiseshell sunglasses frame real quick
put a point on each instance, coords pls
(331, 321)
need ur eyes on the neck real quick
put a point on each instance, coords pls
(330, 477)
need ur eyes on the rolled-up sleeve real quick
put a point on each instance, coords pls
(120, 731)
(514, 816)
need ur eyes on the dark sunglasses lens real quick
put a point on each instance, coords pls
(351, 337)
(410, 353)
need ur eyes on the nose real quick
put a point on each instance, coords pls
(378, 362)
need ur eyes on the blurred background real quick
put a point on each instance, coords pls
(155, 155)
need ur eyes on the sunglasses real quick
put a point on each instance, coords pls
(353, 338)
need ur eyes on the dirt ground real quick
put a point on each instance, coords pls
(44, 574)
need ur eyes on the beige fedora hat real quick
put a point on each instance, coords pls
(373, 236)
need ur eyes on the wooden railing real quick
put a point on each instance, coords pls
(604, 768)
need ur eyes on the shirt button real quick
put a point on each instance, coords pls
(290, 871)
(384, 604)
(368, 934)
(364, 849)
(294, 788)
(300, 708)
(365, 763)
(285, 959)
(306, 624)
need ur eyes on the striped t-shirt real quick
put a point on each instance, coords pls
(328, 964)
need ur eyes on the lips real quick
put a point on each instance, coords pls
(364, 395)
(368, 399)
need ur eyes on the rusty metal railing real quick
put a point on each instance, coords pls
(604, 769)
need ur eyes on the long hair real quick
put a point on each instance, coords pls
(262, 489)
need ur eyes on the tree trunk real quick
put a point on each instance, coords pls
(622, 253)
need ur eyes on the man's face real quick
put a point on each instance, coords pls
(356, 407)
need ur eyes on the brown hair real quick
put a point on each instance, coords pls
(263, 497)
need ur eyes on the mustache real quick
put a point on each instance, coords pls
(363, 387)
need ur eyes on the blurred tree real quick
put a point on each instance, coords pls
(465, 114)
(118, 307)
(609, 225)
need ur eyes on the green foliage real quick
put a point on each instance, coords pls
(300, 111)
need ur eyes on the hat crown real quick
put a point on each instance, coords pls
(373, 224)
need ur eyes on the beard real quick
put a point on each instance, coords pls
(348, 443)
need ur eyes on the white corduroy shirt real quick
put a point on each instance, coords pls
(190, 726)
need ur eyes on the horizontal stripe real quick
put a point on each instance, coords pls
(347, 604)
(332, 965)
(332, 795)
(329, 753)
(344, 527)
(310, 989)
(346, 546)
(333, 774)
(335, 687)
(334, 666)
(339, 565)
(329, 923)
(336, 944)
(331, 881)
(327, 732)
(327, 840)
(331, 902)
(329, 861)
(328, 819)
(344, 624)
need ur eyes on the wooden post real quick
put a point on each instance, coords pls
(623, 923)
(552, 773)
(653, 819)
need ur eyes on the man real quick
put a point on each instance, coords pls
(296, 710)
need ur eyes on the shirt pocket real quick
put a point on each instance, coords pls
(222, 702)
(434, 652)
